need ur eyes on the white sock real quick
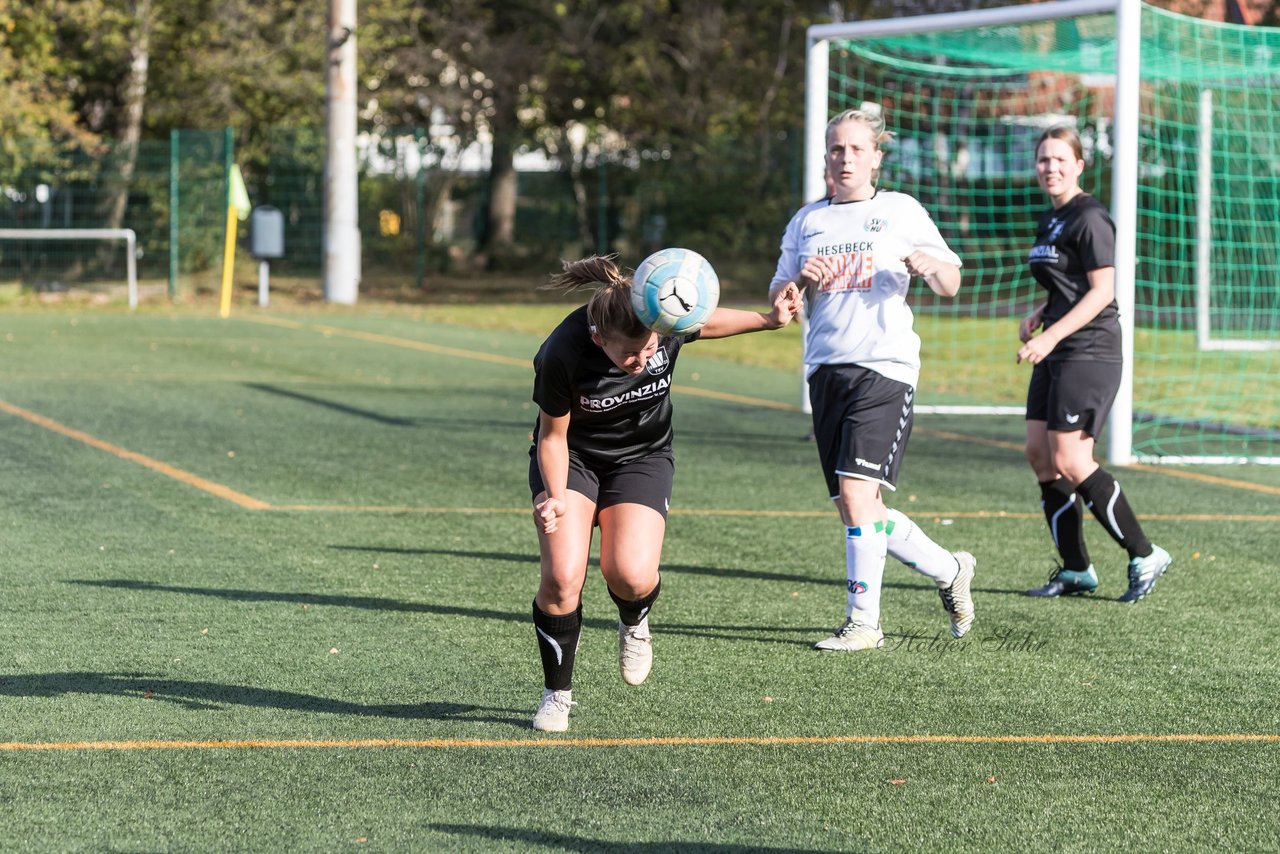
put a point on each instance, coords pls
(864, 562)
(913, 547)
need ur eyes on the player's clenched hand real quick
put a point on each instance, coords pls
(921, 264)
(547, 514)
(1035, 350)
(816, 271)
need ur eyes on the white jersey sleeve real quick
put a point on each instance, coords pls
(861, 315)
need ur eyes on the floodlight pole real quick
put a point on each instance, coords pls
(341, 199)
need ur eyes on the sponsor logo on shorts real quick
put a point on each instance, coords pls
(1072, 419)
(866, 465)
(857, 587)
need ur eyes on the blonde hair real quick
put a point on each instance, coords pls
(609, 311)
(873, 120)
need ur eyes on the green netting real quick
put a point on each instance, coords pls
(197, 183)
(967, 106)
(115, 186)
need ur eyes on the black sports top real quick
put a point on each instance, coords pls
(1071, 241)
(615, 417)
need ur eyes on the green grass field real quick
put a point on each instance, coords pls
(268, 585)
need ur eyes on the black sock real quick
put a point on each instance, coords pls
(558, 645)
(631, 612)
(1102, 495)
(1064, 516)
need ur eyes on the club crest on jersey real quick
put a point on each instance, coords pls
(875, 224)
(658, 363)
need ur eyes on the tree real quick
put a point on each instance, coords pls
(37, 114)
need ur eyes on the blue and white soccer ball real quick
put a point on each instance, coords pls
(674, 291)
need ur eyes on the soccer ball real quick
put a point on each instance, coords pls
(674, 291)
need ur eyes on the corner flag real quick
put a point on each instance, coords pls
(239, 195)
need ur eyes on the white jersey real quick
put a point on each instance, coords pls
(861, 316)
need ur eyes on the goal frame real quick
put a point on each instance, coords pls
(1124, 163)
(126, 234)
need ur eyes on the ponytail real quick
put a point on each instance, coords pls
(609, 312)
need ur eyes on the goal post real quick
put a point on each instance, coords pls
(1180, 119)
(88, 234)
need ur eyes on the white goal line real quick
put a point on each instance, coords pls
(125, 234)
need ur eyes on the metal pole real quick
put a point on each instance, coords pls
(341, 191)
(420, 198)
(1124, 210)
(174, 195)
(1204, 217)
(263, 275)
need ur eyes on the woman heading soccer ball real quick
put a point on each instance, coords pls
(602, 456)
(854, 254)
(1076, 363)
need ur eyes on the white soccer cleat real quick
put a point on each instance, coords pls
(1144, 572)
(553, 711)
(635, 652)
(853, 635)
(957, 599)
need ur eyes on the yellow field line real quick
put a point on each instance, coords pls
(671, 741)
(482, 356)
(410, 344)
(251, 503)
(752, 401)
(972, 440)
(1208, 478)
(155, 465)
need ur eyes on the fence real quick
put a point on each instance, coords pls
(418, 220)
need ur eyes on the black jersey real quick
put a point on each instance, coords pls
(614, 417)
(1071, 241)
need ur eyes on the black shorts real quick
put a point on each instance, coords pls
(1072, 396)
(645, 481)
(861, 422)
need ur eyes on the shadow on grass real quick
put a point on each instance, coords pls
(453, 423)
(213, 696)
(564, 841)
(682, 569)
(374, 603)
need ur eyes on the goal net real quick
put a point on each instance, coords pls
(1181, 124)
(67, 260)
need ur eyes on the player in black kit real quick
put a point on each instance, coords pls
(1075, 376)
(602, 456)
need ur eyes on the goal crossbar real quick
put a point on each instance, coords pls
(125, 234)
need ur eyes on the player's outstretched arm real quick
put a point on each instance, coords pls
(725, 322)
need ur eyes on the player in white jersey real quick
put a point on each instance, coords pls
(854, 255)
